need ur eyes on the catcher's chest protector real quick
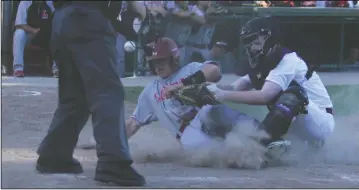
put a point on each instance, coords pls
(258, 75)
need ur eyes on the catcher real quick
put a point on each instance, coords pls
(297, 99)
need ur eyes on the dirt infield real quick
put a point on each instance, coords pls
(27, 111)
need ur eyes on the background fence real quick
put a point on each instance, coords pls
(323, 36)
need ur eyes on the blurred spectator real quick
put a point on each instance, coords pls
(212, 8)
(308, 3)
(121, 39)
(32, 25)
(321, 4)
(231, 3)
(283, 3)
(153, 7)
(142, 8)
(356, 4)
(263, 3)
(218, 50)
(197, 57)
(353, 57)
(183, 9)
(341, 3)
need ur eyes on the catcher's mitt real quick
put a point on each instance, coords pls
(195, 95)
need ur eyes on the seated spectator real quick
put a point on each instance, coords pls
(263, 3)
(321, 4)
(197, 57)
(356, 4)
(342, 3)
(121, 39)
(149, 17)
(182, 9)
(154, 7)
(284, 3)
(199, 11)
(218, 50)
(308, 3)
(211, 8)
(32, 25)
(353, 58)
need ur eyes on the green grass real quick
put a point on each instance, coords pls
(344, 97)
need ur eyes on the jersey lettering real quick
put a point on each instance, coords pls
(161, 97)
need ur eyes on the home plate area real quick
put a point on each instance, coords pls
(27, 113)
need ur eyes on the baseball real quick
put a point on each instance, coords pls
(130, 46)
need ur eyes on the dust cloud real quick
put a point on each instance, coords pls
(342, 147)
(239, 150)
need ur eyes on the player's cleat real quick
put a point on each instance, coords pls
(277, 149)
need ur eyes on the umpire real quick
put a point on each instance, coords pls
(83, 42)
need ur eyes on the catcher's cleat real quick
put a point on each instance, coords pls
(316, 145)
(277, 149)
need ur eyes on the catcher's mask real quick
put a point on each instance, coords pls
(163, 51)
(259, 37)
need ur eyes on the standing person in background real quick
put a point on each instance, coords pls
(120, 42)
(32, 25)
(353, 57)
(83, 42)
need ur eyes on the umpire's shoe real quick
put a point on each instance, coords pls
(57, 166)
(121, 174)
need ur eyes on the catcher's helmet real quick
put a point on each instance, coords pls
(259, 36)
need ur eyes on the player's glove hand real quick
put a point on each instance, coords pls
(195, 95)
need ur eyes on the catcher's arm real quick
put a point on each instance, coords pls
(243, 83)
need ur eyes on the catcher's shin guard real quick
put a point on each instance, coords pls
(290, 103)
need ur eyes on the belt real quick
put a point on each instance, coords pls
(181, 129)
(192, 114)
(329, 110)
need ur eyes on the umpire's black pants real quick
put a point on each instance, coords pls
(84, 44)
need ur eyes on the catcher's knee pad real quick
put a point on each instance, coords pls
(290, 103)
(216, 120)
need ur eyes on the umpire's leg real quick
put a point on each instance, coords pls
(96, 61)
(56, 149)
(68, 120)
(91, 43)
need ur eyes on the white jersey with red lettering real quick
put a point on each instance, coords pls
(153, 106)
